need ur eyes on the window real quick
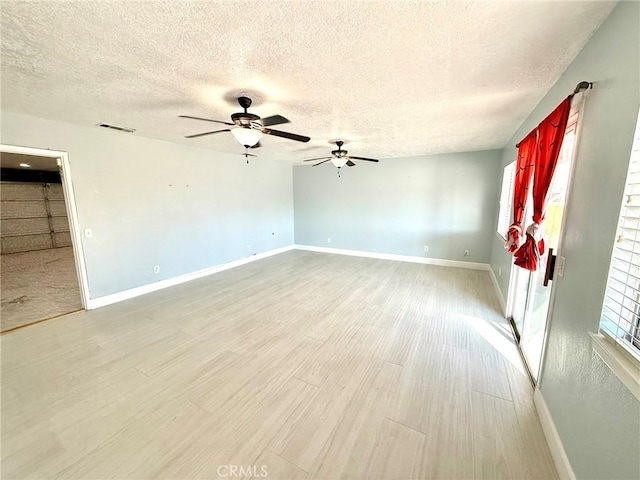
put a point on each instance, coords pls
(506, 199)
(621, 310)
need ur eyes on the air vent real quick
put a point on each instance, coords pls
(115, 127)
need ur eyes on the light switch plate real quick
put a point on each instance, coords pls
(560, 266)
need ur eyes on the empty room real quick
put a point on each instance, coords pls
(320, 239)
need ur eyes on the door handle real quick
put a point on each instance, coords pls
(551, 264)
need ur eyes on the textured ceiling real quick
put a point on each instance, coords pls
(392, 78)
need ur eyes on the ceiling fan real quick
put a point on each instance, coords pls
(249, 128)
(339, 158)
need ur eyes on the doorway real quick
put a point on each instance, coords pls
(531, 292)
(43, 273)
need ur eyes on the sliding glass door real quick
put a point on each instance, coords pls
(531, 291)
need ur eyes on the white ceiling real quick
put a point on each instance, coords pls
(393, 78)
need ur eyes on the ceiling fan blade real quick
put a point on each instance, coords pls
(290, 136)
(321, 162)
(206, 133)
(350, 163)
(314, 159)
(206, 119)
(274, 120)
(362, 158)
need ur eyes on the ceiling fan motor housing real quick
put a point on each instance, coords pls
(339, 153)
(246, 119)
(243, 119)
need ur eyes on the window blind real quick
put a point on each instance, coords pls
(621, 310)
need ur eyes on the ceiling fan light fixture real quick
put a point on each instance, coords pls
(339, 161)
(247, 136)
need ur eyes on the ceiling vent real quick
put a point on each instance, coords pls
(115, 127)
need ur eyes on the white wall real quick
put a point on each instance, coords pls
(151, 202)
(448, 202)
(597, 418)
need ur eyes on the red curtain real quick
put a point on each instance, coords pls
(550, 134)
(524, 171)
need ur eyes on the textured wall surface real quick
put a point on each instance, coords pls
(151, 202)
(597, 418)
(448, 202)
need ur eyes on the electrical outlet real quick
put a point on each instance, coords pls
(466, 253)
(328, 239)
(156, 269)
(88, 233)
(426, 248)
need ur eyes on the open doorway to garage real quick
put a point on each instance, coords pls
(39, 278)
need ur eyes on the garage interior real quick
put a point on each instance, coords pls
(39, 279)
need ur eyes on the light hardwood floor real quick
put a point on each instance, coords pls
(309, 365)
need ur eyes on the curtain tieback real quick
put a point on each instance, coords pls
(536, 232)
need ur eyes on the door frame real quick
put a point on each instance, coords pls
(62, 159)
(580, 110)
(554, 283)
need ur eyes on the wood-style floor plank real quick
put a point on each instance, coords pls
(398, 453)
(499, 450)
(350, 449)
(303, 365)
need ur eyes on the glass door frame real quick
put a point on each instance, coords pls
(575, 121)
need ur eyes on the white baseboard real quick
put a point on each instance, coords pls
(553, 439)
(503, 304)
(170, 282)
(398, 258)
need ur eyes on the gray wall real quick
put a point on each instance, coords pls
(597, 418)
(151, 202)
(448, 202)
